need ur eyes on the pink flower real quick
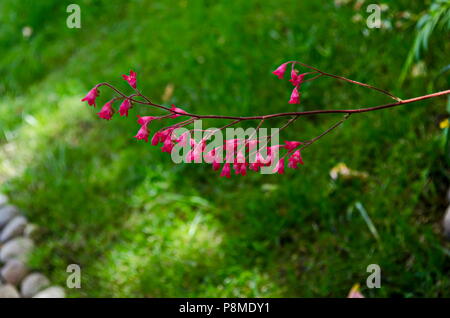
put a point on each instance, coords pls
(214, 157)
(182, 140)
(272, 151)
(240, 158)
(178, 110)
(144, 120)
(202, 145)
(210, 156)
(131, 79)
(226, 171)
(156, 139)
(231, 145)
(259, 162)
(295, 97)
(279, 168)
(296, 79)
(143, 133)
(243, 169)
(107, 111)
(291, 145)
(190, 156)
(240, 166)
(167, 133)
(125, 107)
(216, 165)
(254, 166)
(293, 164)
(167, 146)
(280, 70)
(91, 96)
(298, 156)
(295, 159)
(195, 154)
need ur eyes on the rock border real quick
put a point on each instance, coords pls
(16, 243)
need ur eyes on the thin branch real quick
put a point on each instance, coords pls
(304, 113)
(349, 80)
(336, 125)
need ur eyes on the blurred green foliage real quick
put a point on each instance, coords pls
(141, 226)
(437, 18)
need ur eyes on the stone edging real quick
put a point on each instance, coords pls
(16, 242)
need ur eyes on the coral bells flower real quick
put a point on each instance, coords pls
(295, 159)
(291, 145)
(195, 154)
(143, 133)
(144, 120)
(242, 169)
(259, 162)
(280, 70)
(240, 166)
(178, 110)
(279, 168)
(216, 165)
(131, 79)
(183, 139)
(272, 153)
(226, 171)
(167, 146)
(107, 111)
(210, 156)
(157, 138)
(295, 97)
(166, 134)
(125, 107)
(296, 79)
(254, 166)
(91, 96)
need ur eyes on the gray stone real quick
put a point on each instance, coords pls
(33, 283)
(446, 223)
(14, 228)
(17, 248)
(30, 230)
(7, 212)
(9, 291)
(3, 199)
(13, 272)
(51, 292)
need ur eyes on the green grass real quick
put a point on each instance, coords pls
(138, 225)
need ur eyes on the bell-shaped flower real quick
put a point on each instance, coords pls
(91, 96)
(143, 133)
(107, 111)
(131, 79)
(226, 171)
(280, 70)
(178, 110)
(295, 97)
(125, 107)
(279, 168)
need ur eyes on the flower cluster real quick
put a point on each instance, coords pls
(240, 154)
(296, 80)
